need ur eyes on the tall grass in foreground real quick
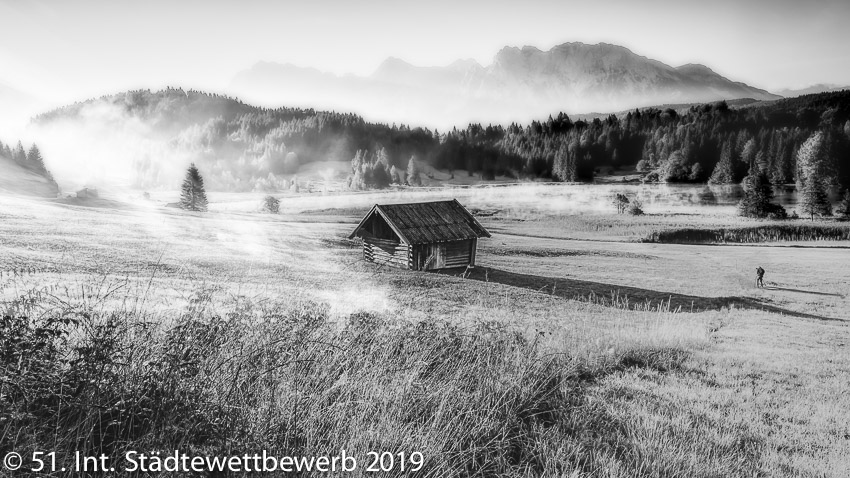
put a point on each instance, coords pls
(482, 400)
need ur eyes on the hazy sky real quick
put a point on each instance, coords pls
(75, 49)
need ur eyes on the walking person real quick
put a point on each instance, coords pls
(759, 277)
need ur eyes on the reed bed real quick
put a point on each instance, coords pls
(751, 235)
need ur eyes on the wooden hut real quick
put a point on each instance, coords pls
(87, 193)
(420, 236)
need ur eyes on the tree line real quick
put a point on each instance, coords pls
(708, 143)
(242, 147)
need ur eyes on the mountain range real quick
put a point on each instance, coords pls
(520, 84)
(812, 90)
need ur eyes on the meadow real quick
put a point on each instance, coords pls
(573, 349)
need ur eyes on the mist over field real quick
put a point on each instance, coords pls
(143, 140)
(106, 147)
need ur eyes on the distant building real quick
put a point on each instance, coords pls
(420, 236)
(87, 193)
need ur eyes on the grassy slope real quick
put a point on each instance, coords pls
(17, 180)
(734, 388)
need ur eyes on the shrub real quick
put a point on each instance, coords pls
(271, 204)
(776, 212)
(635, 208)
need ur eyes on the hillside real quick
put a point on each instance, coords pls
(146, 139)
(149, 138)
(20, 174)
(519, 85)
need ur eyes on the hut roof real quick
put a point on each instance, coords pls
(427, 222)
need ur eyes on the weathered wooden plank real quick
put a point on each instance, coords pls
(381, 242)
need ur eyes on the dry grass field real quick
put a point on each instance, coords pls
(571, 350)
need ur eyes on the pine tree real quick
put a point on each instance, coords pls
(193, 197)
(621, 202)
(782, 169)
(697, 173)
(357, 180)
(761, 161)
(383, 158)
(748, 154)
(843, 210)
(809, 159)
(571, 165)
(560, 164)
(19, 154)
(36, 162)
(380, 177)
(814, 199)
(758, 195)
(397, 175)
(413, 178)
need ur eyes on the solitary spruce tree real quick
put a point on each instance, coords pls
(193, 197)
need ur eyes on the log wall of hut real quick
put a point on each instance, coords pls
(385, 251)
(444, 255)
(383, 246)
